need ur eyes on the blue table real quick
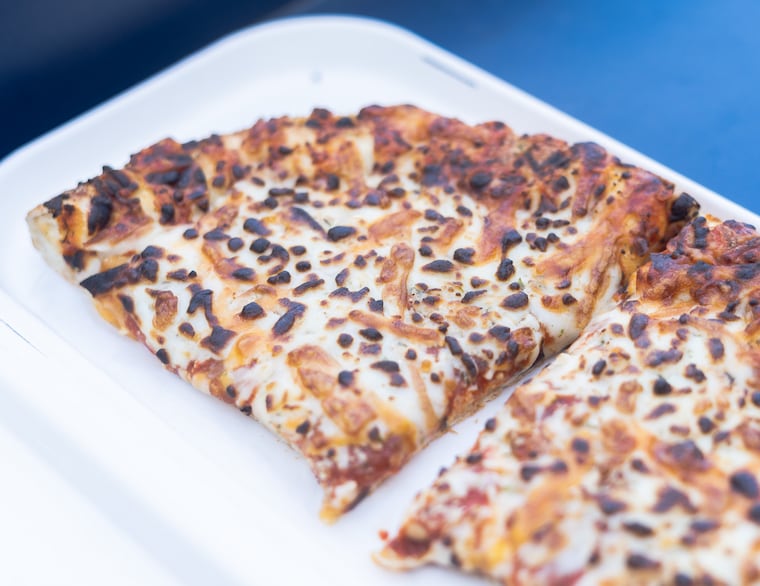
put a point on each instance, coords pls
(678, 80)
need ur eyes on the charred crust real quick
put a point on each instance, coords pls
(55, 205)
(101, 209)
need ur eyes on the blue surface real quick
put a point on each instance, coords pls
(678, 80)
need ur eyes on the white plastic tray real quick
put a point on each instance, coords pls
(210, 496)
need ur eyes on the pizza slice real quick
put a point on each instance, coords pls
(634, 457)
(357, 283)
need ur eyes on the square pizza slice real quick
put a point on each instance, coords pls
(357, 283)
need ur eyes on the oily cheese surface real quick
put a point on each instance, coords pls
(357, 283)
(634, 457)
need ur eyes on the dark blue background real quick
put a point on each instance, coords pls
(678, 80)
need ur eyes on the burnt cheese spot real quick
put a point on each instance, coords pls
(704, 525)
(386, 365)
(397, 380)
(637, 325)
(127, 303)
(568, 299)
(218, 339)
(480, 179)
(470, 365)
(151, 251)
(307, 285)
(235, 244)
(244, 274)
(659, 357)
(610, 506)
(190, 234)
(281, 278)
(661, 386)
(694, 373)
(187, 329)
(510, 238)
(303, 428)
(167, 213)
(638, 529)
(754, 513)
(178, 275)
(76, 260)
(256, 226)
(345, 340)
(474, 458)
(371, 334)
(251, 310)
(682, 207)
(501, 333)
(638, 561)
(215, 235)
(260, 245)
(671, 497)
(660, 410)
(580, 445)
(375, 305)
(332, 181)
(599, 367)
(200, 298)
(340, 232)
(280, 253)
(471, 295)
(163, 355)
(432, 175)
(346, 378)
(286, 321)
(528, 471)
(439, 266)
(454, 347)
(745, 484)
(55, 205)
(107, 280)
(341, 277)
(280, 191)
(433, 216)
(682, 579)
(515, 301)
(716, 348)
(505, 269)
(705, 424)
(464, 255)
(100, 213)
(149, 269)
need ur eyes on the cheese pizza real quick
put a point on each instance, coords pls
(357, 283)
(634, 457)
